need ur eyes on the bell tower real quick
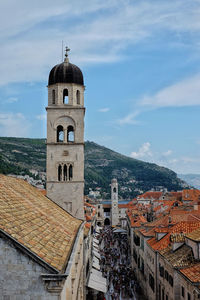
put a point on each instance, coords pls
(114, 200)
(65, 137)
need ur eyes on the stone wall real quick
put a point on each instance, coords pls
(20, 275)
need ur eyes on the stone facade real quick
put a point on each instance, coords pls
(20, 276)
(65, 146)
(114, 199)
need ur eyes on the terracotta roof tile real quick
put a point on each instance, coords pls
(182, 227)
(181, 257)
(192, 273)
(36, 222)
(194, 235)
(191, 195)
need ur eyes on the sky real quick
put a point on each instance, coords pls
(141, 66)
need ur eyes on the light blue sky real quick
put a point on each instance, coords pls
(141, 66)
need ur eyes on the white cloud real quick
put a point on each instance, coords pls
(143, 152)
(129, 119)
(14, 125)
(167, 153)
(104, 110)
(96, 31)
(41, 117)
(183, 93)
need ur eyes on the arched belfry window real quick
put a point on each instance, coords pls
(78, 97)
(59, 173)
(65, 96)
(65, 173)
(60, 134)
(70, 133)
(70, 172)
(53, 97)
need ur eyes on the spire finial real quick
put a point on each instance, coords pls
(66, 54)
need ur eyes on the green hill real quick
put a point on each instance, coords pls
(22, 156)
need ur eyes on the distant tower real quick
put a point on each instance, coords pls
(65, 137)
(114, 199)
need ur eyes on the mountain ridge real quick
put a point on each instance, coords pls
(23, 156)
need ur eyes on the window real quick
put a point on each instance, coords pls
(70, 134)
(65, 173)
(59, 173)
(142, 244)
(151, 282)
(78, 97)
(166, 297)
(60, 134)
(189, 296)
(161, 269)
(53, 97)
(99, 214)
(171, 281)
(136, 240)
(182, 292)
(70, 172)
(65, 96)
(114, 190)
(166, 275)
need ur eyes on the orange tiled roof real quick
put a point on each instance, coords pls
(191, 195)
(194, 235)
(192, 273)
(36, 222)
(88, 204)
(44, 192)
(150, 195)
(182, 227)
(123, 205)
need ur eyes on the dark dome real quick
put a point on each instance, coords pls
(65, 73)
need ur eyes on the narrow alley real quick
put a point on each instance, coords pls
(116, 266)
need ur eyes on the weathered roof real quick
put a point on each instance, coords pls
(192, 273)
(182, 227)
(194, 235)
(182, 257)
(36, 222)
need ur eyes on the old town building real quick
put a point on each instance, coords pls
(165, 252)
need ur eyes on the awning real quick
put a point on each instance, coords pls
(97, 281)
(96, 253)
(95, 263)
(98, 228)
(119, 230)
(96, 241)
(95, 246)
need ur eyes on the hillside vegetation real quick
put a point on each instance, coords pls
(22, 156)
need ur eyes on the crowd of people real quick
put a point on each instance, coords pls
(115, 265)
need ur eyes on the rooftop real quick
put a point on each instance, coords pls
(36, 222)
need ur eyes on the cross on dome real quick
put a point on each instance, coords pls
(66, 51)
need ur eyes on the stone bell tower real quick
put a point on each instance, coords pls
(114, 199)
(65, 137)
